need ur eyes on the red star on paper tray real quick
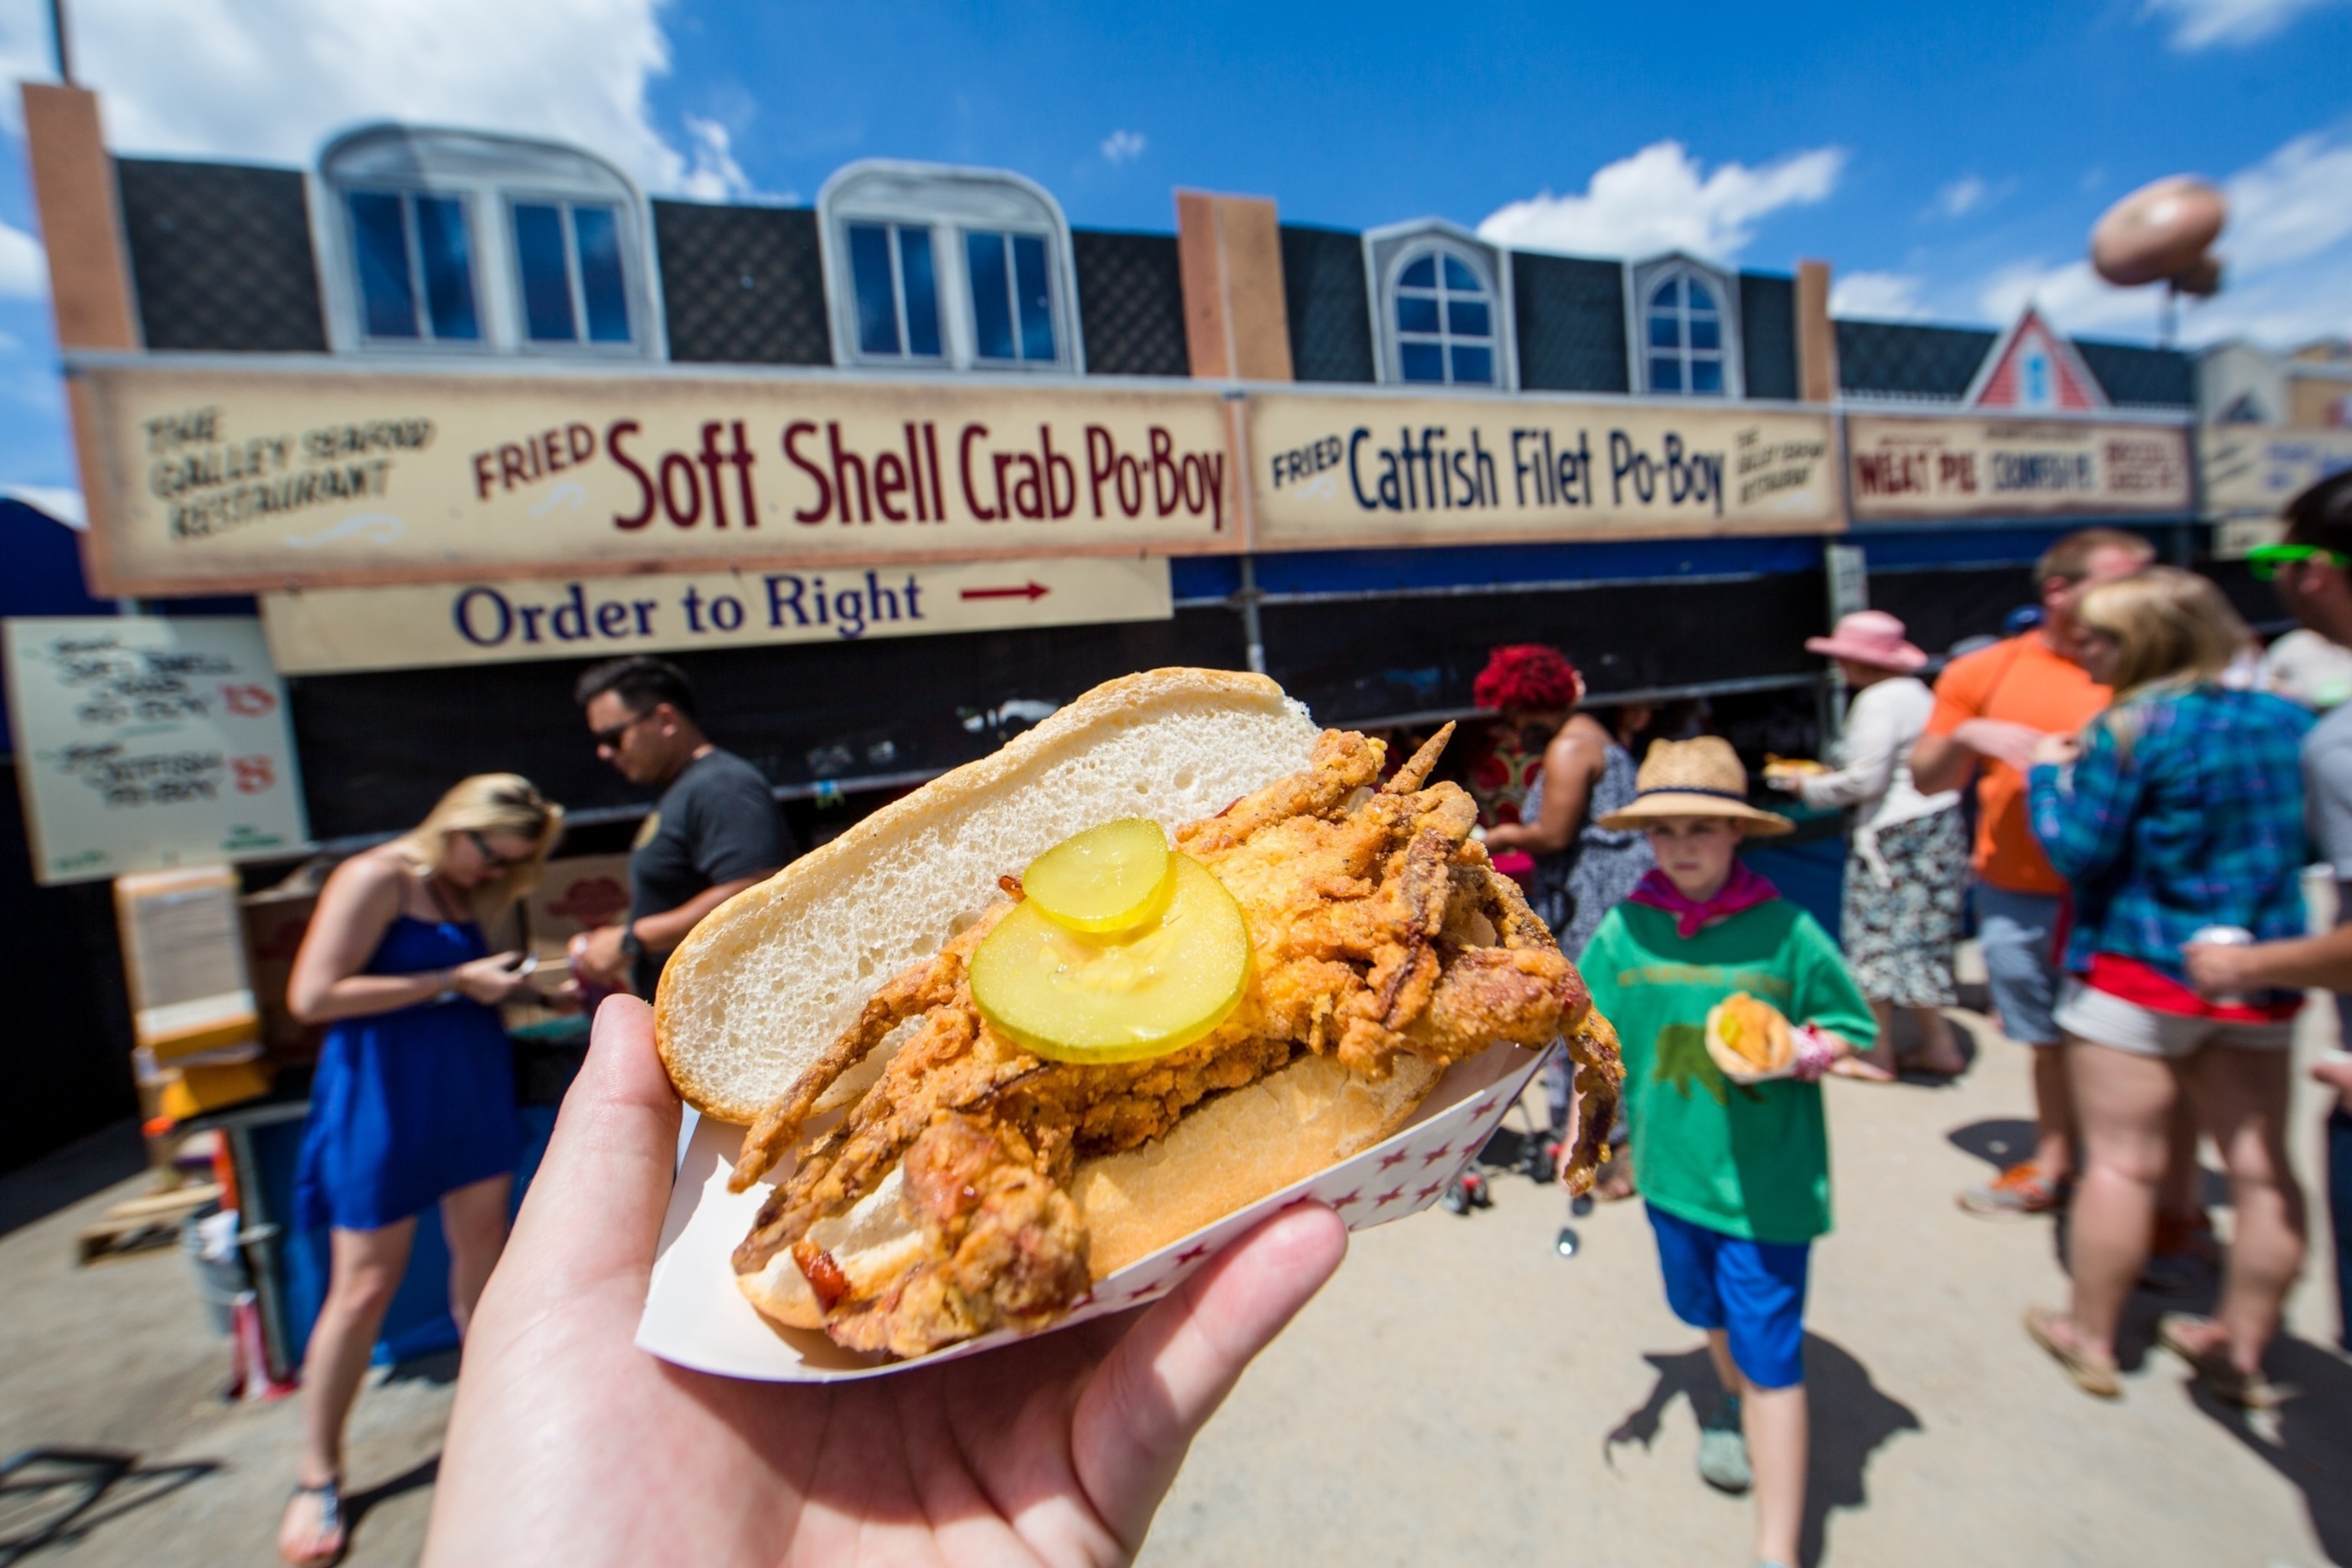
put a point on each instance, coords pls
(1348, 1199)
(1191, 1254)
(1429, 1192)
(1483, 1107)
(1399, 1158)
(1440, 1152)
(1388, 1197)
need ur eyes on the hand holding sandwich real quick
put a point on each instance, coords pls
(569, 1443)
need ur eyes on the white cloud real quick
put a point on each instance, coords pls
(1877, 296)
(272, 79)
(2201, 24)
(1123, 147)
(56, 500)
(1962, 196)
(715, 175)
(24, 266)
(1658, 200)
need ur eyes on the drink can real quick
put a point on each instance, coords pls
(2223, 936)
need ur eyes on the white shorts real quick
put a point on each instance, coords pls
(2106, 1020)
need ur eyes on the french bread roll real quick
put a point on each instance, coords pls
(1749, 1038)
(770, 978)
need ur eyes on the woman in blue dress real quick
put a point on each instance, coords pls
(413, 1101)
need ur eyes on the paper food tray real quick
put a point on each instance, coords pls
(697, 1317)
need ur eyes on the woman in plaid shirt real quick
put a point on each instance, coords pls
(2178, 808)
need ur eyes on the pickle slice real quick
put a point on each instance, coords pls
(1141, 993)
(1106, 878)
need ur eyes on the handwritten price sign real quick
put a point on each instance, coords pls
(144, 743)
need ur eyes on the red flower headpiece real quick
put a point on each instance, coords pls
(1527, 675)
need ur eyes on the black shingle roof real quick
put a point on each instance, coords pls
(220, 254)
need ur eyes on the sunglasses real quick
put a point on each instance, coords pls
(503, 862)
(2266, 559)
(612, 737)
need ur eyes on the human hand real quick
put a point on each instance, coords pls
(491, 980)
(569, 1443)
(1819, 1052)
(1998, 739)
(598, 953)
(2336, 1072)
(2056, 751)
(2217, 969)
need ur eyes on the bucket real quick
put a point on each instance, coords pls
(208, 1241)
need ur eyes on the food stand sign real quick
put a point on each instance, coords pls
(211, 479)
(321, 630)
(1382, 469)
(144, 743)
(2251, 470)
(1939, 467)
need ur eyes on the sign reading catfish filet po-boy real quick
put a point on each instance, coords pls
(214, 479)
(1382, 469)
(1905, 467)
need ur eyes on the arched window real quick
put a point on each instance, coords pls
(458, 241)
(1686, 337)
(1444, 322)
(1441, 306)
(931, 266)
(1683, 320)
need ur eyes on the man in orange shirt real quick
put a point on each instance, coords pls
(1990, 708)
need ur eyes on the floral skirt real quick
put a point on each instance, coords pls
(1900, 923)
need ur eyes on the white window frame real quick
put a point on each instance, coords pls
(1388, 250)
(490, 174)
(1642, 280)
(950, 202)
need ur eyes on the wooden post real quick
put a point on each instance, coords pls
(1817, 366)
(1229, 252)
(91, 293)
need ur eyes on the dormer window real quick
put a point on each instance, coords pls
(456, 241)
(1441, 306)
(967, 268)
(1685, 329)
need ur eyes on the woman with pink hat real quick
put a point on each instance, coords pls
(1904, 878)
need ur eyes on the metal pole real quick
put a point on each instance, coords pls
(57, 33)
(1251, 630)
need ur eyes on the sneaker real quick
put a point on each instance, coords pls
(2018, 1192)
(1723, 1449)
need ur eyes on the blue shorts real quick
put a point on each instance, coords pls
(2018, 934)
(1753, 1290)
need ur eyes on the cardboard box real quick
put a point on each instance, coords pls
(696, 1317)
(575, 894)
(275, 922)
(184, 955)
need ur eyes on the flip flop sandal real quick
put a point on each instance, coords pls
(2090, 1377)
(330, 1525)
(2214, 1369)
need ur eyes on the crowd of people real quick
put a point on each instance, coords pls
(2133, 875)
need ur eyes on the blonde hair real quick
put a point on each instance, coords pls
(2170, 627)
(505, 803)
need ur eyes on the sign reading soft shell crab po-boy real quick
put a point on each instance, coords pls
(1378, 468)
(214, 479)
(1932, 468)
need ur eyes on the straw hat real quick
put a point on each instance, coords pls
(1694, 778)
(1872, 637)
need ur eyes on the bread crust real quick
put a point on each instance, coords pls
(837, 882)
(1781, 1042)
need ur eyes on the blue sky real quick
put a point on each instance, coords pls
(1948, 161)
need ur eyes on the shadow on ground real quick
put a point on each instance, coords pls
(51, 1496)
(1850, 1420)
(356, 1505)
(2307, 1439)
(71, 1173)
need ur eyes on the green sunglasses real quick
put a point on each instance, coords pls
(2264, 559)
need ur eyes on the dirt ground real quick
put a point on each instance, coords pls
(1461, 1394)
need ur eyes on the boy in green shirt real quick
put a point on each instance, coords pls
(1736, 1176)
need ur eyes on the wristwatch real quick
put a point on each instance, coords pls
(630, 948)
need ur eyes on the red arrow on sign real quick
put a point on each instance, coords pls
(1032, 592)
